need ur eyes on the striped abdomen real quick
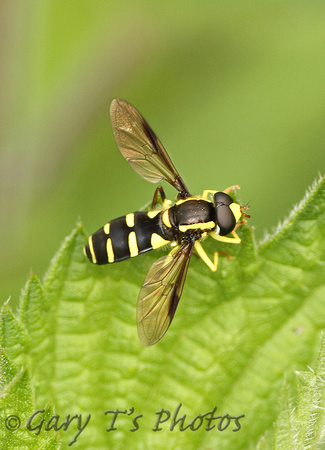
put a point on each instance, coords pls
(128, 236)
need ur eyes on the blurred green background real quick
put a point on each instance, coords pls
(235, 91)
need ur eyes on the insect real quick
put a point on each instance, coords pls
(183, 224)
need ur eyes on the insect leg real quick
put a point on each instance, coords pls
(202, 254)
(158, 191)
(234, 240)
(165, 202)
(231, 188)
(206, 193)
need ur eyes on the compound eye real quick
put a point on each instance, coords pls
(220, 198)
(225, 219)
(224, 215)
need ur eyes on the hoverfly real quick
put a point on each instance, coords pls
(183, 224)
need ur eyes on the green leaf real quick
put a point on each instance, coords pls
(16, 406)
(302, 426)
(14, 337)
(236, 336)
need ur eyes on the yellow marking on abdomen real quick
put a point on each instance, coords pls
(92, 251)
(157, 241)
(107, 227)
(152, 214)
(165, 219)
(133, 245)
(197, 226)
(110, 251)
(129, 219)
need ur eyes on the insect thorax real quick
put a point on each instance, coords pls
(193, 214)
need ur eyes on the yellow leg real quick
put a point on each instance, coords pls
(207, 192)
(202, 254)
(234, 240)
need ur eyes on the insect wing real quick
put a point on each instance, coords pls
(141, 147)
(160, 294)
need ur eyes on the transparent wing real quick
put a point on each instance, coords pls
(160, 294)
(141, 148)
